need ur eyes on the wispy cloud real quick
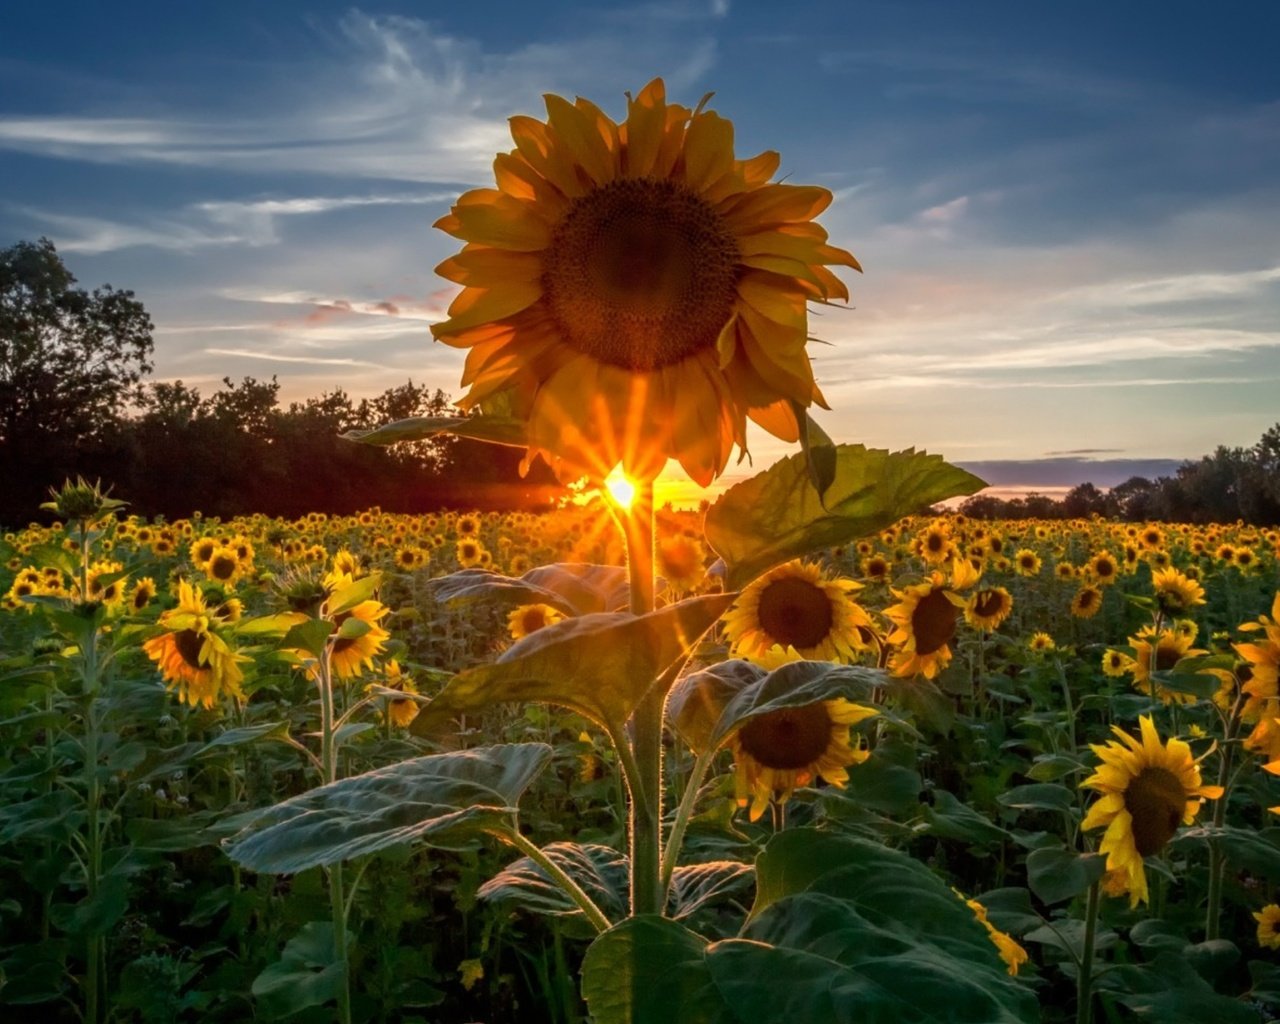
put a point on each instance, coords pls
(394, 98)
(276, 357)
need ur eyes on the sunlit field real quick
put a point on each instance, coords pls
(969, 783)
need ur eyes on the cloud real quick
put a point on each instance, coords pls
(393, 98)
(276, 357)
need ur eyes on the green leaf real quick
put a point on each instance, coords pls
(599, 665)
(601, 871)
(777, 515)
(575, 588)
(244, 734)
(354, 593)
(269, 625)
(444, 800)
(1168, 991)
(1039, 797)
(697, 886)
(1055, 873)
(310, 636)
(949, 818)
(1266, 982)
(308, 973)
(353, 628)
(505, 430)
(651, 970)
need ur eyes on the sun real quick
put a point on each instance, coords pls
(621, 488)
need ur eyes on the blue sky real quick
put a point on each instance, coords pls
(1068, 214)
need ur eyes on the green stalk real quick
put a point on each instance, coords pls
(1217, 864)
(93, 861)
(646, 795)
(574, 891)
(683, 815)
(337, 901)
(1084, 978)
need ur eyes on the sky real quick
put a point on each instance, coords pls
(1068, 215)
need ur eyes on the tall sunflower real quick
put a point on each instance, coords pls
(797, 607)
(636, 290)
(1148, 788)
(191, 656)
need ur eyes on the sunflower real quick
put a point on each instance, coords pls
(1160, 653)
(470, 553)
(1027, 562)
(1268, 919)
(636, 290)
(1148, 787)
(934, 543)
(400, 711)
(925, 618)
(350, 655)
(1087, 601)
(224, 566)
(876, 568)
(142, 593)
(529, 618)
(680, 561)
(778, 751)
(796, 606)
(1042, 643)
(193, 659)
(1103, 568)
(1010, 951)
(1175, 594)
(1260, 681)
(1116, 663)
(201, 551)
(988, 608)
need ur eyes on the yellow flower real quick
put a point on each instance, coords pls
(637, 290)
(192, 658)
(778, 751)
(925, 618)
(350, 655)
(988, 608)
(1175, 594)
(1027, 563)
(529, 618)
(680, 561)
(1042, 643)
(1116, 663)
(1268, 919)
(1087, 601)
(1148, 787)
(797, 606)
(1010, 951)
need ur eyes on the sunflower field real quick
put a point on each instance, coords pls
(820, 751)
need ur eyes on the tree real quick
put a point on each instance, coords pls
(70, 360)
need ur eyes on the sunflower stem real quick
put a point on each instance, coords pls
(1084, 977)
(329, 774)
(646, 735)
(557, 874)
(1217, 865)
(683, 815)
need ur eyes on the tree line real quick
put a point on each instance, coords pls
(1229, 485)
(75, 399)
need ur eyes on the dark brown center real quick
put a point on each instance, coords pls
(222, 568)
(788, 739)
(795, 613)
(189, 643)
(989, 602)
(933, 622)
(1156, 801)
(641, 274)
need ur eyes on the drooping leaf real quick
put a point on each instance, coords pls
(575, 588)
(1169, 991)
(1039, 796)
(819, 452)
(504, 430)
(951, 818)
(601, 872)
(443, 800)
(778, 515)
(598, 665)
(1056, 873)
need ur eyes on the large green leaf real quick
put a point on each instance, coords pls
(598, 665)
(652, 970)
(1169, 991)
(600, 871)
(842, 930)
(443, 800)
(495, 429)
(308, 973)
(778, 515)
(575, 588)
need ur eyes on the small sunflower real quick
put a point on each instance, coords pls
(1148, 788)
(1268, 919)
(471, 553)
(638, 290)
(400, 711)
(1042, 643)
(1103, 568)
(1116, 663)
(529, 618)
(778, 751)
(191, 656)
(1160, 653)
(925, 618)
(350, 655)
(1175, 594)
(797, 606)
(988, 608)
(1087, 601)
(680, 561)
